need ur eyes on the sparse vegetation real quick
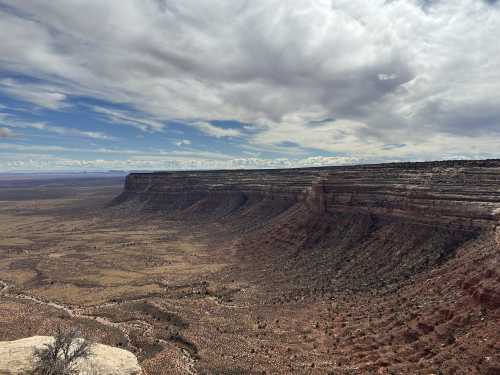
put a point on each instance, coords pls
(60, 357)
(252, 291)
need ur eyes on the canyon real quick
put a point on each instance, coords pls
(370, 269)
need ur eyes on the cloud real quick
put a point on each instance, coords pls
(403, 72)
(127, 118)
(36, 94)
(187, 63)
(12, 121)
(127, 153)
(6, 133)
(215, 131)
(69, 131)
(183, 142)
(33, 161)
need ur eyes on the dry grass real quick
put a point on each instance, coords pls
(86, 259)
(148, 285)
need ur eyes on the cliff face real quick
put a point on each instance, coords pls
(459, 192)
(360, 226)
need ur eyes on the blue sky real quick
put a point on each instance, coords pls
(157, 84)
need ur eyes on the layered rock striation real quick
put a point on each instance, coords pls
(451, 192)
(361, 226)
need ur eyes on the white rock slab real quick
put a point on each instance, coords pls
(16, 357)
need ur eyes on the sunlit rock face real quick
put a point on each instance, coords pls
(16, 357)
(453, 192)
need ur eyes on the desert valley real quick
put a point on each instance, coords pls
(235, 187)
(374, 269)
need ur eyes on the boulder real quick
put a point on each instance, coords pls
(16, 357)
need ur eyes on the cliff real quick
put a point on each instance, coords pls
(360, 226)
(451, 192)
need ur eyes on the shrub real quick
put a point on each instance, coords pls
(60, 357)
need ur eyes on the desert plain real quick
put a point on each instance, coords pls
(189, 292)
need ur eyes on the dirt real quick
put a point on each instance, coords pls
(253, 283)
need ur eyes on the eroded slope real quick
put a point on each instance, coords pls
(408, 255)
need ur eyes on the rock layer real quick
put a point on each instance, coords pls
(465, 192)
(356, 227)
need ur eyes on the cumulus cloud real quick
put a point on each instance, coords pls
(394, 79)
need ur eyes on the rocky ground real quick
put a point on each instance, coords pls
(252, 280)
(16, 358)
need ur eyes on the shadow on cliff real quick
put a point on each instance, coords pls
(318, 251)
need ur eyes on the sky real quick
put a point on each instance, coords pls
(89, 85)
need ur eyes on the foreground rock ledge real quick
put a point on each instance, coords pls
(16, 358)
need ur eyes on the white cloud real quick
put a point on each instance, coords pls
(183, 142)
(402, 80)
(29, 161)
(36, 94)
(126, 153)
(69, 131)
(386, 77)
(332, 135)
(215, 131)
(355, 139)
(126, 118)
(60, 130)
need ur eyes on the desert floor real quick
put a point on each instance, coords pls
(178, 295)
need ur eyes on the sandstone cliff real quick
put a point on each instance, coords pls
(359, 226)
(466, 192)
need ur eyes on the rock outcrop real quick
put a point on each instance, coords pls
(360, 226)
(16, 358)
(462, 192)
